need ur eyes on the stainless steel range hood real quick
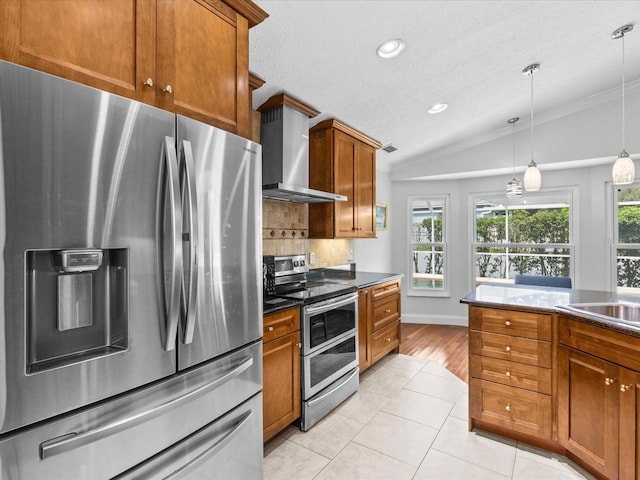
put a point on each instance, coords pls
(285, 152)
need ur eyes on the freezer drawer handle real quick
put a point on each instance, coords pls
(173, 300)
(225, 438)
(74, 440)
(189, 199)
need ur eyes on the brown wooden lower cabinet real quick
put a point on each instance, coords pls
(281, 371)
(379, 311)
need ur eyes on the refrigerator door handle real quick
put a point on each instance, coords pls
(73, 440)
(172, 297)
(223, 440)
(190, 201)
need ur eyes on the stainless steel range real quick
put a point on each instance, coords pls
(329, 353)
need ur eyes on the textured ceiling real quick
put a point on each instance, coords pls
(469, 54)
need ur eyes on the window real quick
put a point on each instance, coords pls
(530, 235)
(626, 238)
(428, 245)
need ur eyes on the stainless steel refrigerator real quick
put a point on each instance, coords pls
(130, 289)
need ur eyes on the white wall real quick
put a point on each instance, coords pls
(588, 136)
(374, 255)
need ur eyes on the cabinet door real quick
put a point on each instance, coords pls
(365, 186)
(589, 409)
(345, 163)
(203, 56)
(105, 44)
(364, 337)
(281, 383)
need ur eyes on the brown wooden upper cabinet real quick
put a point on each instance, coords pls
(342, 160)
(189, 56)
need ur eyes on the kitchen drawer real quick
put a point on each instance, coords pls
(384, 289)
(385, 340)
(509, 407)
(281, 323)
(514, 374)
(509, 322)
(385, 311)
(506, 347)
(600, 342)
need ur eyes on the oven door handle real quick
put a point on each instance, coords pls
(333, 390)
(330, 305)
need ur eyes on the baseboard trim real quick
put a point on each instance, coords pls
(435, 319)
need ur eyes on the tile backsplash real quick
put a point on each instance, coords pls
(285, 231)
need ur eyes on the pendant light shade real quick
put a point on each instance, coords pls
(624, 172)
(514, 187)
(532, 177)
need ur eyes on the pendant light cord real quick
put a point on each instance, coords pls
(532, 115)
(623, 102)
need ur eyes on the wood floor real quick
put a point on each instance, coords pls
(445, 344)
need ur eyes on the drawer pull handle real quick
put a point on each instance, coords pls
(624, 388)
(507, 323)
(508, 374)
(609, 381)
(269, 329)
(508, 407)
(507, 348)
(387, 311)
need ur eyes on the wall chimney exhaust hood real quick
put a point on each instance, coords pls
(284, 136)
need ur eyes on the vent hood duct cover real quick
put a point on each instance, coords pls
(285, 152)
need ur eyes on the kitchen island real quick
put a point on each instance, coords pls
(547, 367)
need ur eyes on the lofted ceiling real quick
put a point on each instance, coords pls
(469, 54)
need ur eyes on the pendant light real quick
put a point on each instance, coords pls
(514, 187)
(623, 171)
(532, 178)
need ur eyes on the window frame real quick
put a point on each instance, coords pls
(570, 192)
(443, 292)
(614, 241)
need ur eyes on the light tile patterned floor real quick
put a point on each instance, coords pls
(407, 421)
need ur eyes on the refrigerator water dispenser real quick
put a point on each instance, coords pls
(76, 305)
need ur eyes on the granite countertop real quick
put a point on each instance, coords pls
(553, 300)
(274, 304)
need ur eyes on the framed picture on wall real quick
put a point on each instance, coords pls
(381, 216)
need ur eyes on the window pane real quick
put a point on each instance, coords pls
(629, 215)
(628, 260)
(554, 262)
(428, 266)
(539, 224)
(490, 222)
(427, 218)
(490, 263)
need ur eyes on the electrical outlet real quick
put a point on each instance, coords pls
(312, 258)
(350, 255)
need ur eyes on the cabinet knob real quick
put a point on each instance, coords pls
(387, 311)
(609, 381)
(168, 89)
(269, 329)
(508, 407)
(299, 345)
(507, 323)
(148, 82)
(508, 374)
(507, 348)
(624, 388)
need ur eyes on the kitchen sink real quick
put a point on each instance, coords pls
(621, 312)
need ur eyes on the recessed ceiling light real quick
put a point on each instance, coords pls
(437, 108)
(390, 48)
